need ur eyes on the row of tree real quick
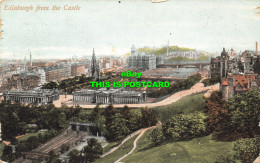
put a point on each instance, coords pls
(16, 117)
(118, 123)
(176, 87)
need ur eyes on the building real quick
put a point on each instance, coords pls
(245, 63)
(77, 69)
(94, 71)
(41, 96)
(41, 73)
(237, 84)
(141, 61)
(115, 96)
(23, 81)
(56, 73)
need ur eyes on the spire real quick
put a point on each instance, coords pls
(30, 59)
(93, 51)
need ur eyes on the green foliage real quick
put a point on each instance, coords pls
(213, 80)
(156, 136)
(183, 127)
(8, 154)
(74, 156)
(50, 85)
(203, 57)
(149, 117)
(178, 86)
(244, 110)
(247, 150)
(118, 128)
(179, 59)
(225, 159)
(92, 151)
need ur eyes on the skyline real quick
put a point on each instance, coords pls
(112, 28)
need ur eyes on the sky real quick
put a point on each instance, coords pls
(112, 27)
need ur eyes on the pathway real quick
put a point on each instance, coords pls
(196, 89)
(141, 131)
(136, 140)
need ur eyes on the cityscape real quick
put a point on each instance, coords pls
(67, 101)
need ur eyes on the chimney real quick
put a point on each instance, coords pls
(256, 48)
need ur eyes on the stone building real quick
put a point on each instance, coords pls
(24, 81)
(141, 61)
(56, 73)
(77, 69)
(41, 96)
(116, 96)
(237, 84)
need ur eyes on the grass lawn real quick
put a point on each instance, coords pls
(124, 149)
(198, 150)
(109, 146)
(188, 104)
(27, 135)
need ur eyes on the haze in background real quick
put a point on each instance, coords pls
(112, 27)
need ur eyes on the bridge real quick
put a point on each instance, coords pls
(89, 127)
(184, 65)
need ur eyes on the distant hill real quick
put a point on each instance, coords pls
(163, 50)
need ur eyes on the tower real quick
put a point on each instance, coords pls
(133, 50)
(30, 59)
(94, 67)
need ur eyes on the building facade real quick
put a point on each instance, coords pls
(77, 69)
(41, 96)
(237, 84)
(23, 81)
(113, 96)
(141, 61)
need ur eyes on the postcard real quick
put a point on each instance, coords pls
(130, 81)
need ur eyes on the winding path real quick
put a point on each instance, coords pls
(136, 140)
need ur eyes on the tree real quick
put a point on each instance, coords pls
(184, 127)
(92, 151)
(247, 150)
(218, 113)
(74, 156)
(8, 154)
(50, 85)
(11, 127)
(156, 136)
(135, 121)
(118, 128)
(245, 112)
(32, 142)
(149, 117)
